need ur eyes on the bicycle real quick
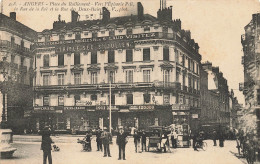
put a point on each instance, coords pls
(201, 145)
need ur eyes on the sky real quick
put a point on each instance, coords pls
(216, 25)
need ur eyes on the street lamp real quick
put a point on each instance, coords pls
(4, 73)
(110, 117)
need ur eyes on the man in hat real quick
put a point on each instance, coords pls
(46, 144)
(98, 140)
(121, 141)
(106, 139)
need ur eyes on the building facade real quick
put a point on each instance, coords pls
(251, 61)
(215, 104)
(151, 63)
(16, 66)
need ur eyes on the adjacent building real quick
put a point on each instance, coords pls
(151, 64)
(16, 65)
(215, 103)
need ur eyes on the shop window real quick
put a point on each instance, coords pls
(76, 58)
(46, 100)
(146, 54)
(129, 98)
(147, 98)
(94, 57)
(129, 55)
(46, 61)
(166, 54)
(111, 56)
(61, 101)
(60, 59)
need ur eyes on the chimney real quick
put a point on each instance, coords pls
(140, 11)
(74, 16)
(106, 14)
(13, 15)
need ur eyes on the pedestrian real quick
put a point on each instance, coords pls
(174, 139)
(214, 137)
(121, 141)
(46, 145)
(106, 140)
(143, 135)
(137, 141)
(98, 140)
(221, 139)
(194, 142)
(88, 140)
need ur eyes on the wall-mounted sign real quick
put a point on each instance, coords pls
(44, 108)
(106, 107)
(141, 107)
(74, 108)
(180, 107)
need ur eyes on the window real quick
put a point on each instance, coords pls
(184, 79)
(76, 58)
(146, 76)
(94, 57)
(12, 41)
(258, 96)
(94, 34)
(146, 29)
(166, 99)
(177, 76)
(166, 76)
(111, 77)
(146, 54)
(129, 99)
(93, 97)
(61, 101)
(112, 33)
(176, 56)
(183, 60)
(22, 61)
(60, 79)
(46, 61)
(77, 78)
(22, 43)
(61, 37)
(47, 38)
(78, 36)
(112, 99)
(189, 63)
(165, 29)
(166, 54)
(46, 101)
(93, 77)
(129, 31)
(147, 98)
(12, 58)
(76, 99)
(111, 56)
(129, 55)
(129, 76)
(60, 59)
(45, 80)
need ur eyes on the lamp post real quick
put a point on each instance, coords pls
(110, 117)
(4, 73)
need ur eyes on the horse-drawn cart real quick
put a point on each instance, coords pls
(155, 138)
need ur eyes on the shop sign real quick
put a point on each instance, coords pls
(195, 116)
(141, 107)
(48, 111)
(74, 108)
(124, 110)
(44, 108)
(118, 38)
(84, 103)
(180, 107)
(106, 107)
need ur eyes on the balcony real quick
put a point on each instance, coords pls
(14, 47)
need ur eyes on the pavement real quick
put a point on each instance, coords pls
(28, 152)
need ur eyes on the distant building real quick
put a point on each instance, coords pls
(16, 64)
(215, 109)
(152, 63)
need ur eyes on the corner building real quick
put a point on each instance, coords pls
(152, 64)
